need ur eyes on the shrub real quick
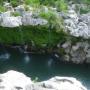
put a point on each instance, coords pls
(15, 14)
(2, 9)
(14, 3)
(31, 2)
(61, 5)
(54, 20)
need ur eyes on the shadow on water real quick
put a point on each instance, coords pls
(44, 67)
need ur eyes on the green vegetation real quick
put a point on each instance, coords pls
(31, 2)
(35, 80)
(15, 14)
(54, 21)
(50, 34)
(15, 3)
(61, 5)
(84, 11)
(2, 9)
(39, 35)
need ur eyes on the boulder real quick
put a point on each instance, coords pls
(11, 21)
(27, 19)
(62, 83)
(13, 80)
(20, 9)
(5, 14)
(77, 53)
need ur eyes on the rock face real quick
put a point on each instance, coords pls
(13, 80)
(11, 21)
(77, 53)
(63, 83)
(27, 19)
(78, 26)
(23, 18)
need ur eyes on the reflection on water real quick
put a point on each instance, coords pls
(26, 58)
(5, 56)
(44, 67)
(50, 62)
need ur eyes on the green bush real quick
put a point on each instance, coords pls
(15, 14)
(84, 11)
(31, 2)
(61, 5)
(14, 3)
(2, 9)
(54, 21)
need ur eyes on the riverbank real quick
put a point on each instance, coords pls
(45, 29)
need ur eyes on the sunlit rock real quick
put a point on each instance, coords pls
(20, 9)
(78, 26)
(5, 14)
(63, 83)
(27, 19)
(13, 80)
(11, 21)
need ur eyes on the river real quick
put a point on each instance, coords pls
(43, 66)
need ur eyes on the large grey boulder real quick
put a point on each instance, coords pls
(13, 80)
(62, 83)
(11, 21)
(27, 19)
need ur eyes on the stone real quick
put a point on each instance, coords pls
(78, 55)
(20, 9)
(66, 46)
(67, 57)
(13, 80)
(6, 14)
(72, 15)
(27, 19)
(8, 6)
(78, 26)
(88, 56)
(62, 83)
(11, 21)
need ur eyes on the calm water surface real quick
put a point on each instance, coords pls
(43, 67)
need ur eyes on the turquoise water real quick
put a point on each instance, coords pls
(43, 67)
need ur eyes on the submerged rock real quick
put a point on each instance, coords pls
(13, 80)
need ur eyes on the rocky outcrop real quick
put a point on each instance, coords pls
(21, 17)
(77, 53)
(27, 19)
(78, 26)
(13, 80)
(6, 20)
(11, 21)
